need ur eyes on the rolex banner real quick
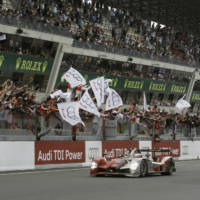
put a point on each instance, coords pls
(73, 77)
(25, 64)
(98, 90)
(70, 112)
(86, 103)
(113, 101)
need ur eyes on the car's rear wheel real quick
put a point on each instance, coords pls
(143, 168)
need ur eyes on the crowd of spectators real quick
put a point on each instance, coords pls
(157, 122)
(100, 24)
(19, 109)
(27, 46)
(87, 22)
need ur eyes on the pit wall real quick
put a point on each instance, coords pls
(58, 154)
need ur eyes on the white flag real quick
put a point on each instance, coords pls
(73, 77)
(98, 89)
(86, 103)
(181, 104)
(113, 100)
(55, 94)
(3, 37)
(70, 112)
(64, 95)
(145, 106)
(106, 86)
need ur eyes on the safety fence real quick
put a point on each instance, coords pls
(51, 126)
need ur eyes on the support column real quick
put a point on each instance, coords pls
(195, 77)
(55, 69)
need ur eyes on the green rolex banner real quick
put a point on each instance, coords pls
(137, 84)
(26, 64)
(195, 96)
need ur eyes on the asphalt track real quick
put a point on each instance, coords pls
(75, 184)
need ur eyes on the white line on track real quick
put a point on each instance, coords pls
(41, 171)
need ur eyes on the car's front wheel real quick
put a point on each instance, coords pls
(143, 168)
(170, 169)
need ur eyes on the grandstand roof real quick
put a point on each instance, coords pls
(182, 14)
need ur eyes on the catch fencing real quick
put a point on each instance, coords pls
(52, 126)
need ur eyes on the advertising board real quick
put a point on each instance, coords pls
(59, 152)
(93, 150)
(173, 146)
(190, 150)
(114, 149)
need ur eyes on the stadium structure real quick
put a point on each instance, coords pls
(66, 66)
(143, 46)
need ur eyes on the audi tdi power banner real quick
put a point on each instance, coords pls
(173, 146)
(59, 152)
(115, 149)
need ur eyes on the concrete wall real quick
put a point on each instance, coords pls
(16, 155)
(29, 155)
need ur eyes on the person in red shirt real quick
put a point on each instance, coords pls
(154, 108)
(79, 90)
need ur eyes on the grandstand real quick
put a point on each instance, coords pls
(140, 45)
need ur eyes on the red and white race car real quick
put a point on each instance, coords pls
(138, 163)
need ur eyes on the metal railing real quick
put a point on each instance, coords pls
(33, 24)
(51, 125)
(132, 52)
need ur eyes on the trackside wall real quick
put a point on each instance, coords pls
(190, 150)
(59, 154)
(93, 150)
(54, 154)
(17, 155)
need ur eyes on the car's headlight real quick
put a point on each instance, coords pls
(94, 165)
(134, 165)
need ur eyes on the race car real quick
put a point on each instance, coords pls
(137, 163)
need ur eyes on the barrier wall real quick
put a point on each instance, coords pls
(190, 150)
(173, 146)
(51, 154)
(55, 154)
(115, 149)
(93, 149)
(16, 156)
